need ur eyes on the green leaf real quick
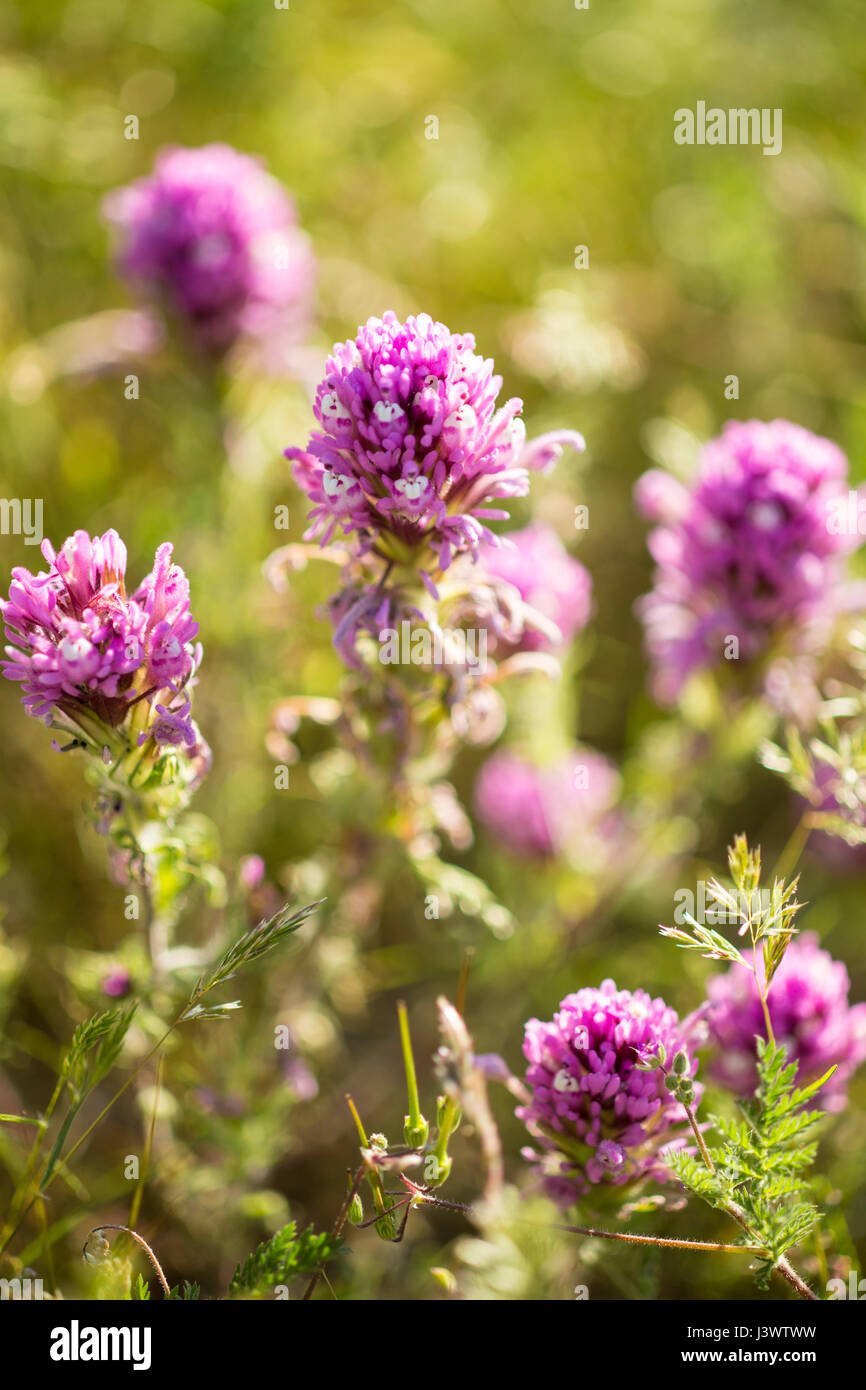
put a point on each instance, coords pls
(95, 1047)
(285, 1257)
(252, 946)
(762, 1165)
(211, 1010)
(185, 1292)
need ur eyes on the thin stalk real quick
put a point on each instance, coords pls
(373, 1177)
(797, 841)
(460, 1002)
(787, 1271)
(138, 1194)
(664, 1241)
(696, 1131)
(449, 1119)
(32, 1159)
(340, 1222)
(415, 1117)
(55, 1161)
(145, 1247)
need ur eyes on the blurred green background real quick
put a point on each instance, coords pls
(555, 130)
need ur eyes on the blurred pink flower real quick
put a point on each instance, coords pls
(211, 232)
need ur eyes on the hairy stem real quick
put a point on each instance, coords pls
(664, 1241)
(127, 1230)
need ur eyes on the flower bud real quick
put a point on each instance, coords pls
(355, 1213)
(416, 1135)
(444, 1106)
(96, 1248)
(386, 1226)
(437, 1170)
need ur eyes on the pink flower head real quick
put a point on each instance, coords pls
(117, 983)
(810, 1014)
(598, 1118)
(412, 454)
(547, 578)
(215, 235)
(79, 645)
(251, 872)
(538, 812)
(749, 551)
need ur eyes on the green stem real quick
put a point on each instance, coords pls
(664, 1241)
(790, 856)
(409, 1064)
(449, 1119)
(373, 1177)
(340, 1222)
(696, 1131)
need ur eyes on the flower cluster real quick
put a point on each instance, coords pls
(111, 670)
(598, 1116)
(413, 456)
(553, 584)
(541, 812)
(750, 551)
(215, 236)
(810, 1014)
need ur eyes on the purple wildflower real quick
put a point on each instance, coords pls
(413, 456)
(251, 872)
(539, 812)
(599, 1118)
(172, 727)
(810, 1014)
(547, 578)
(748, 551)
(82, 648)
(215, 235)
(117, 983)
(300, 1078)
(492, 1066)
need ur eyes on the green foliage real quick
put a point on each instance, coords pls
(249, 947)
(185, 1292)
(96, 1046)
(711, 944)
(762, 1162)
(833, 766)
(140, 1291)
(744, 864)
(288, 1255)
(94, 1049)
(765, 917)
(751, 261)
